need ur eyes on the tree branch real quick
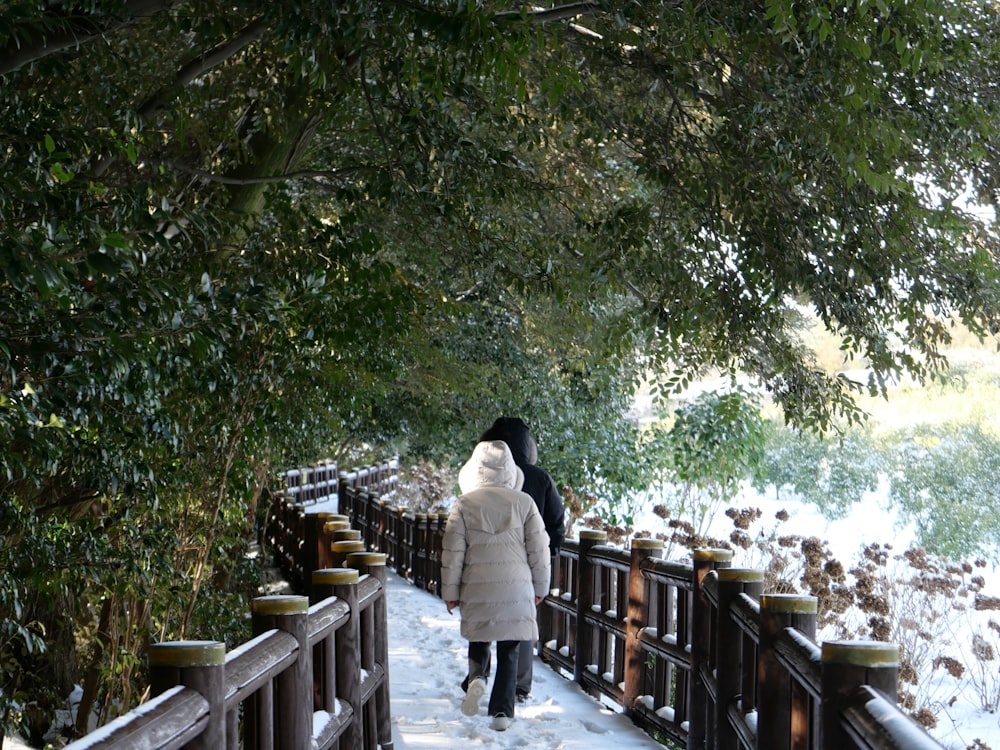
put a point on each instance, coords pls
(270, 179)
(73, 32)
(188, 72)
(205, 62)
(547, 15)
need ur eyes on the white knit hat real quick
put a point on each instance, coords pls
(491, 465)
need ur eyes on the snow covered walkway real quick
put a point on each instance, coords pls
(427, 658)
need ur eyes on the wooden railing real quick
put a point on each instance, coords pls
(694, 653)
(295, 532)
(314, 676)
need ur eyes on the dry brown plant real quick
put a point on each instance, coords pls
(576, 506)
(910, 599)
(425, 488)
(981, 649)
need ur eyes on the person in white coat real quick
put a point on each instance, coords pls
(495, 569)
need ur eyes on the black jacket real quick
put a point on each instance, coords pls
(537, 482)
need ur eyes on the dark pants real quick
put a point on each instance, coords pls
(525, 668)
(504, 684)
(525, 663)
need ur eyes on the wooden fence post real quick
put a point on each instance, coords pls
(729, 650)
(584, 593)
(409, 528)
(199, 665)
(346, 535)
(359, 516)
(331, 529)
(373, 517)
(438, 548)
(316, 545)
(374, 565)
(420, 551)
(345, 497)
(399, 558)
(782, 715)
(323, 583)
(294, 705)
(543, 613)
(700, 732)
(383, 533)
(550, 625)
(430, 579)
(345, 587)
(846, 666)
(637, 617)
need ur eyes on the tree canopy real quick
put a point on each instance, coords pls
(236, 237)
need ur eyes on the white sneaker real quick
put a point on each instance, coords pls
(500, 722)
(470, 704)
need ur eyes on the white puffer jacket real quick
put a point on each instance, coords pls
(495, 556)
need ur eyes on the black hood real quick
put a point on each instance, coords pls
(514, 432)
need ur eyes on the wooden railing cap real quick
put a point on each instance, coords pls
(789, 603)
(861, 653)
(746, 575)
(593, 534)
(645, 542)
(187, 654)
(347, 545)
(366, 558)
(279, 604)
(715, 555)
(329, 516)
(346, 535)
(335, 576)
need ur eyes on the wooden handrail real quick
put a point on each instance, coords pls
(273, 680)
(871, 720)
(801, 657)
(258, 661)
(176, 714)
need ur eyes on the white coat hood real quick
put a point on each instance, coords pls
(491, 465)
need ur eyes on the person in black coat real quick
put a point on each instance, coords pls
(540, 485)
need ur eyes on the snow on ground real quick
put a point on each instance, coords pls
(427, 663)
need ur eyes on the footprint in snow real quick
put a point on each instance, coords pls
(594, 728)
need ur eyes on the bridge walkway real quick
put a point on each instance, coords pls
(427, 662)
